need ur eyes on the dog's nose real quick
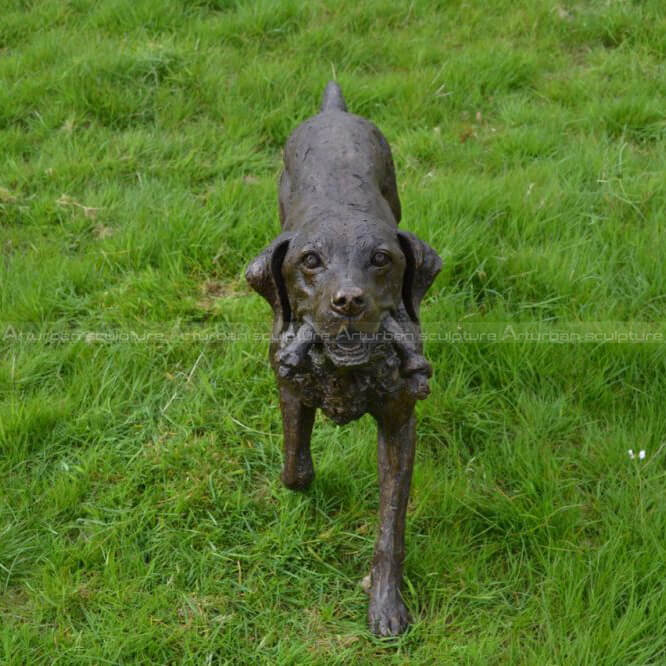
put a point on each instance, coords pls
(348, 301)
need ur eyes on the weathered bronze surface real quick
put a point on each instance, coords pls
(345, 287)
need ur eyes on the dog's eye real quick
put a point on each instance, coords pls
(380, 259)
(311, 260)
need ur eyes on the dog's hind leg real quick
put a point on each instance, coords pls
(396, 431)
(297, 421)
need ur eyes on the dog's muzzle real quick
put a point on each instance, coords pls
(348, 351)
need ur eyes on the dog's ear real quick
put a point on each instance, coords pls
(265, 276)
(422, 266)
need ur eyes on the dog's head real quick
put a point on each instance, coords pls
(343, 277)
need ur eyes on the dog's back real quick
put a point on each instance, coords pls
(337, 160)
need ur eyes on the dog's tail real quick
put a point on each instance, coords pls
(333, 99)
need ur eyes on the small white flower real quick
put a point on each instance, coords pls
(631, 453)
(641, 454)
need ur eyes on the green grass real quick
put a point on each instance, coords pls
(141, 515)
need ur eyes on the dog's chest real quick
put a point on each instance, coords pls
(346, 393)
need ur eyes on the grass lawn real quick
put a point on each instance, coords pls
(141, 515)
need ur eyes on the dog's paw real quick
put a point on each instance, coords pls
(388, 617)
(298, 479)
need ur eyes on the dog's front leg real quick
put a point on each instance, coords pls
(387, 613)
(297, 421)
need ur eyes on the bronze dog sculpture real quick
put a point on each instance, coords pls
(345, 287)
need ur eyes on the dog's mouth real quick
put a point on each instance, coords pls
(348, 349)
